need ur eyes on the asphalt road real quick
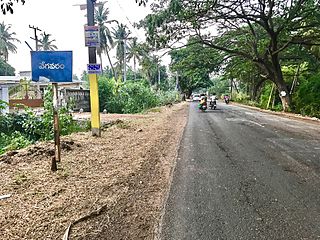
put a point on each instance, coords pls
(244, 174)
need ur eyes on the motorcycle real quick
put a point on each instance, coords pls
(202, 106)
(213, 104)
(226, 100)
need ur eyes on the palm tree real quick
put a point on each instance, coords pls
(135, 52)
(106, 41)
(6, 41)
(46, 44)
(120, 35)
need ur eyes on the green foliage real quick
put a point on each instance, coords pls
(267, 36)
(194, 64)
(6, 69)
(21, 129)
(241, 97)
(131, 96)
(15, 141)
(307, 97)
(220, 86)
(3, 105)
(7, 40)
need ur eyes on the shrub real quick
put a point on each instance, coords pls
(131, 96)
(307, 98)
(21, 129)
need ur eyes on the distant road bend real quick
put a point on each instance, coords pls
(244, 174)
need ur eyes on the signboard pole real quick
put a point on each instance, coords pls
(94, 93)
(57, 146)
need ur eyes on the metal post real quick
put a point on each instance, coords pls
(56, 129)
(94, 93)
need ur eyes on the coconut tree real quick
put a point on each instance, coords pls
(120, 35)
(135, 52)
(46, 44)
(7, 40)
(106, 41)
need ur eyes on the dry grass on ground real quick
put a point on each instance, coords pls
(111, 187)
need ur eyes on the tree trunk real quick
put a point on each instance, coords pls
(134, 66)
(281, 84)
(113, 71)
(256, 90)
(100, 57)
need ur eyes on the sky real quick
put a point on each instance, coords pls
(65, 22)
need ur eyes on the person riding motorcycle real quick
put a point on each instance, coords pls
(213, 101)
(226, 99)
(203, 103)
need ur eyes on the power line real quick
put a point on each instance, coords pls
(128, 19)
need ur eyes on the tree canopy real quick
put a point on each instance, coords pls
(194, 64)
(258, 31)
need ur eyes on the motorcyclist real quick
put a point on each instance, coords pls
(213, 98)
(226, 98)
(213, 101)
(203, 102)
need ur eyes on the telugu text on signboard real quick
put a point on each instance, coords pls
(53, 65)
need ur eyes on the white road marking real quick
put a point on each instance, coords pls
(243, 120)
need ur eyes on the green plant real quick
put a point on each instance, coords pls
(16, 141)
(307, 98)
(20, 178)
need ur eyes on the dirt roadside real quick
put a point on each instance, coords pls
(112, 187)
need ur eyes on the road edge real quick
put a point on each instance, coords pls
(158, 227)
(282, 114)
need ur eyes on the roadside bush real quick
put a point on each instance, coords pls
(23, 128)
(307, 98)
(136, 97)
(241, 97)
(168, 97)
(131, 96)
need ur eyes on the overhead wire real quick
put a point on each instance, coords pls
(129, 21)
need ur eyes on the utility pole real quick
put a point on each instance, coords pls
(35, 36)
(94, 93)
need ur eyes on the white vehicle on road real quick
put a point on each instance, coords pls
(196, 97)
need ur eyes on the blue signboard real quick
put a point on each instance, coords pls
(53, 65)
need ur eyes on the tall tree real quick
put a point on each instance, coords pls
(259, 31)
(7, 40)
(134, 52)
(106, 40)
(46, 44)
(194, 64)
(120, 35)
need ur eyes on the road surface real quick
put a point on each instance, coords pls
(244, 174)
